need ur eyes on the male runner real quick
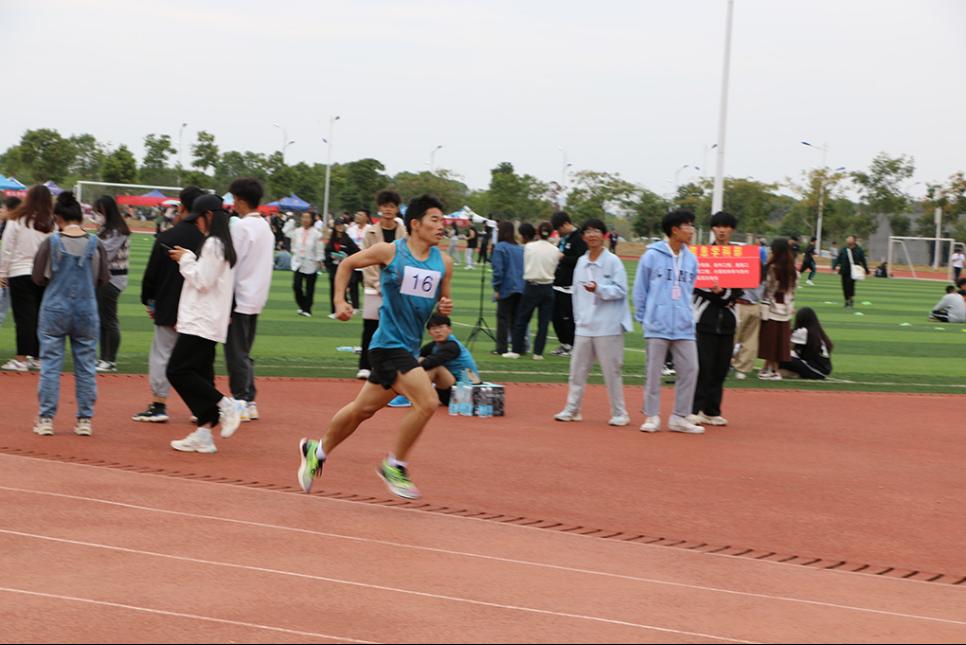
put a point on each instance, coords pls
(415, 275)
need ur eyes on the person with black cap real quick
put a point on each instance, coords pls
(161, 295)
(204, 313)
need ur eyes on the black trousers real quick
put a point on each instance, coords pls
(563, 317)
(848, 287)
(238, 355)
(304, 286)
(191, 372)
(817, 369)
(506, 314)
(369, 328)
(484, 253)
(539, 297)
(714, 358)
(25, 297)
(110, 326)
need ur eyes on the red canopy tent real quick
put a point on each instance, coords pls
(154, 198)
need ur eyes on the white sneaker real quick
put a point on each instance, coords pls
(810, 283)
(769, 375)
(538, 357)
(306, 314)
(651, 424)
(332, 316)
(242, 410)
(703, 419)
(229, 416)
(44, 426)
(568, 416)
(741, 376)
(83, 428)
(619, 421)
(197, 441)
(13, 365)
(511, 355)
(252, 411)
(680, 424)
(363, 375)
(667, 371)
(105, 366)
(33, 363)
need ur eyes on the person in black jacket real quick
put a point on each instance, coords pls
(852, 253)
(339, 247)
(714, 311)
(161, 294)
(808, 262)
(572, 246)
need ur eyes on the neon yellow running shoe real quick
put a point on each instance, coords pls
(397, 481)
(311, 466)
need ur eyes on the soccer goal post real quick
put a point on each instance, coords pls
(89, 189)
(922, 251)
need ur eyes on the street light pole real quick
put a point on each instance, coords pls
(180, 152)
(707, 149)
(432, 159)
(677, 173)
(285, 141)
(717, 197)
(328, 168)
(821, 196)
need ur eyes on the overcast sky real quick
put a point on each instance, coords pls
(623, 86)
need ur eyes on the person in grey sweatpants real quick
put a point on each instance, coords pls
(601, 317)
(662, 304)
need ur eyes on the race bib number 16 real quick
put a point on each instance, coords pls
(418, 282)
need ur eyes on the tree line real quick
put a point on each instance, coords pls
(787, 207)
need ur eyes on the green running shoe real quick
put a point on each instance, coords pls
(310, 466)
(397, 480)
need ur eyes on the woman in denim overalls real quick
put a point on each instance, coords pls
(72, 264)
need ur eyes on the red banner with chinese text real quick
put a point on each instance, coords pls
(730, 267)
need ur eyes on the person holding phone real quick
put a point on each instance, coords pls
(161, 296)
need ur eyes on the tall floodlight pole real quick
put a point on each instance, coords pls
(180, 148)
(432, 159)
(707, 149)
(328, 168)
(717, 198)
(821, 195)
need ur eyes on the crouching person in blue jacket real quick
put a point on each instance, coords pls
(662, 304)
(446, 359)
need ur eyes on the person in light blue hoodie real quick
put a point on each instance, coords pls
(662, 304)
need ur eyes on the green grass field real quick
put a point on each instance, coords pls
(873, 350)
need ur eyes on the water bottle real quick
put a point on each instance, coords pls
(454, 401)
(466, 399)
(485, 410)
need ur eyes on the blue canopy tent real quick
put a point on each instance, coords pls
(10, 183)
(292, 203)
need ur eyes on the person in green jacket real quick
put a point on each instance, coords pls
(851, 255)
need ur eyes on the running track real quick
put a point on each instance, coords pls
(127, 542)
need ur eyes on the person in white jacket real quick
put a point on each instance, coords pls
(27, 226)
(306, 262)
(204, 312)
(602, 318)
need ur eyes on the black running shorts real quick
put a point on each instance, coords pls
(387, 364)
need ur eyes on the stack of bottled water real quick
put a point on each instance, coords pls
(485, 408)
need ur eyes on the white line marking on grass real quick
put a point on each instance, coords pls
(366, 585)
(480, 556)
(177, 614)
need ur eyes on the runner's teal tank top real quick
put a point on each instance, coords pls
(410, 289)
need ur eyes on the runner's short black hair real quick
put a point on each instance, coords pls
(675, 219)
(724, 218)
(417, 208)
(388, 197)
(248, 189)
(438, 319)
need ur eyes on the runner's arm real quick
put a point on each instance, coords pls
(377, 254)
(445, 305)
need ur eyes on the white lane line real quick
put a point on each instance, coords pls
(480, 556)
(366, 585)
(635, 545)
(177, 614)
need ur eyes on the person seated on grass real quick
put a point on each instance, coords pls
(811, 348)
(951, 308)
(882, 271)
(445, 358)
